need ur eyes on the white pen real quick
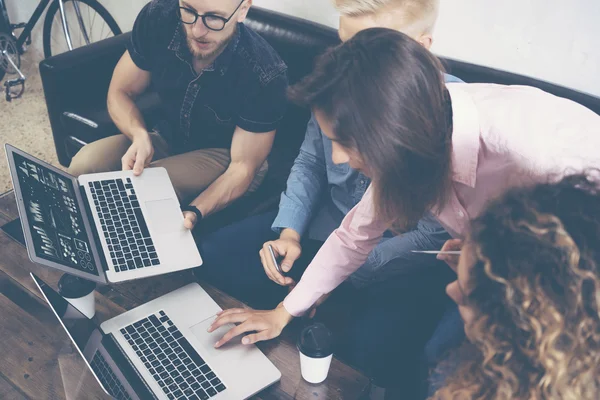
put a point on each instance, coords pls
(455, 252)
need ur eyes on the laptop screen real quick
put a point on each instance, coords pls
(77, 325)
(55, 220)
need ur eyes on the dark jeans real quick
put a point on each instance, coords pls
(381, 329)
(448, 336)
(232, 264)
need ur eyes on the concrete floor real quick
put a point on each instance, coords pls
(24, 122)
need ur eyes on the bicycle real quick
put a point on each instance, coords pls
(60, 34)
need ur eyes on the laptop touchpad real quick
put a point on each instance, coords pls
(208, 340)
(164, 216)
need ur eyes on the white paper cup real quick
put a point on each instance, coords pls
(316, 351)
(85, 305)
(80, 295)
(315, 370)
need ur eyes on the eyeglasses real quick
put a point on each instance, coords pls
(211, 21)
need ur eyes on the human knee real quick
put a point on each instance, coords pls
(100, 156)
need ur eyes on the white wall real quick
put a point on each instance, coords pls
(554, 40)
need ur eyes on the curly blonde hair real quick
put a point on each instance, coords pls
(536, 297)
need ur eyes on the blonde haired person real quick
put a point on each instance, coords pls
(416, 18)
(528, 289)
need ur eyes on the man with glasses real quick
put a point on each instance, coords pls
(222, 91)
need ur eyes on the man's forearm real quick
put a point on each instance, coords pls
(229, 187)
(126, 115)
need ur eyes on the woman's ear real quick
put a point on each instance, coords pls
(426, 40)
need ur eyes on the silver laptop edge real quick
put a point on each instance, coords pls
(31, 250)
(68, 333)
(252, 374)
(245, 370)
(186, 257)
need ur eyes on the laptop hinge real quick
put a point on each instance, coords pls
(131, 374)
(94, 229)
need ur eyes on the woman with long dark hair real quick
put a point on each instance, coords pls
(428, 147)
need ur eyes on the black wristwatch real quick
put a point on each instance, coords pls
(195, 210)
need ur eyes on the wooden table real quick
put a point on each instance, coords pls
(39, 362)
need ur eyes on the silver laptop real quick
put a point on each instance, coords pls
(162, 350)
(107, 227)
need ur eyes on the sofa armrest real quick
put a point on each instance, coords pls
(78, 80)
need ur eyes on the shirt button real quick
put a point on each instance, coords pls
(461, 214)
(362, 182)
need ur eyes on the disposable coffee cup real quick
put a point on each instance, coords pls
(316, 351)
(80, 294)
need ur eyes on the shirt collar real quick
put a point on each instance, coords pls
(222, 62)
(465, 136)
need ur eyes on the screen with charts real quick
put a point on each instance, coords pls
(55, 221)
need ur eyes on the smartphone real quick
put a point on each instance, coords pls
(275, 261)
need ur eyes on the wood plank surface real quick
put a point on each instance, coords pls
(40, 361)
(8, 205)
(31, 352)
(10, 392)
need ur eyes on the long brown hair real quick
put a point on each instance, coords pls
(385, 97)
(536, 299)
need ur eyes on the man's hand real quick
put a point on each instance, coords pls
(266, 324)
(189, 220)
(139, 155)
(451, 259)
(287, 246)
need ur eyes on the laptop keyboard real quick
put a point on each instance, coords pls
(123, 225)
(108, 378)
(172, 361)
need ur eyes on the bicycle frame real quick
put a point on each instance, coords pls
(30, 24)
(7, 27)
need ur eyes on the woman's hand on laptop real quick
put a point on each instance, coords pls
(139, 155)
(266, 325)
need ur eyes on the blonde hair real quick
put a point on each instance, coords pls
(417, 16)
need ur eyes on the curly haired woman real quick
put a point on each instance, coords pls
(528, 290)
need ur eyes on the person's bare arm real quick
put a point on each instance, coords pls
(248, 153)
(128, 82)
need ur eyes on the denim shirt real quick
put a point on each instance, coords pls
(244, 87)
(320, 193)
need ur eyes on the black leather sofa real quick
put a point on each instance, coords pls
(76, 83)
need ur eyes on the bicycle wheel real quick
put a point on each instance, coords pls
(87, 21)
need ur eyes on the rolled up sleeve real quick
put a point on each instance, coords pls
(143, 41)
(305, 185)
(264, 108)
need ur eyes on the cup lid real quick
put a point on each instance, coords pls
(316, 341)
(73, 287)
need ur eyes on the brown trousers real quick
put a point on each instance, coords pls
(191, 173)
